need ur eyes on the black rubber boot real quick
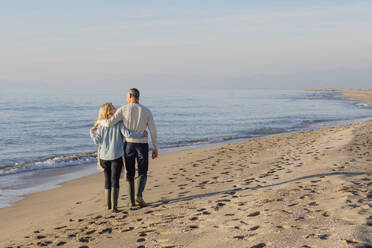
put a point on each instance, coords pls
(108, 198)
(141, 183)
(115, 196)
(131, 193)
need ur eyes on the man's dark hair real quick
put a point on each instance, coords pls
(135, 93)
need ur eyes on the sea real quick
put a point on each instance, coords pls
(44, 133)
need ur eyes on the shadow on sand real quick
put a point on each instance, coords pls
(233, 191)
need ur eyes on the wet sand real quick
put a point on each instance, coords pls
(307, 189)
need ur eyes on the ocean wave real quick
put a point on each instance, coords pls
(268, 131)
(315, 121)
(260, 132)
(50, 163)
(363, 105)
(196, 141)
(61, 161)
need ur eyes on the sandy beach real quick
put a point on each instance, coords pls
(306, 189)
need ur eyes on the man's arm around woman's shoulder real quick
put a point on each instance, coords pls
(117, 117)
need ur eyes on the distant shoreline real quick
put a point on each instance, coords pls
(358, 94)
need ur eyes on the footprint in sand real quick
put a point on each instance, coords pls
(244, 223)
(313, 204)
(72, 235)
(325, 214)
(323, 237)
(84, 239)
(292, 204)
(254, 228)
(193, 227)
(59, 227)
(61, 243)
(219, 205)
(128, 229)
(260, 245)
(239, 237)
(44, 243)
(90, 232)
(254, 214)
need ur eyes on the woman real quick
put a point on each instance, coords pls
(110, 140)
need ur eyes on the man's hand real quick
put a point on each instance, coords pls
(145, 133)
(154, 153)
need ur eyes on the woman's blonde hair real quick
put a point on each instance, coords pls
(104, 112)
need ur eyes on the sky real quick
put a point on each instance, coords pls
(273, 44)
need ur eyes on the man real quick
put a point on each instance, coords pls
(138, 118)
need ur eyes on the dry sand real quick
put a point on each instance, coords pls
(308, 189)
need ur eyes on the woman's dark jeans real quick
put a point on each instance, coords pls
(112, 172)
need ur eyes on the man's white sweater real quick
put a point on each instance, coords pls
(135, 117)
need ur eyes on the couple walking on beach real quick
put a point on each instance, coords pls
(122, 133)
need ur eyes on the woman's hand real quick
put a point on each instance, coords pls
(94, 128)
(145, 133)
